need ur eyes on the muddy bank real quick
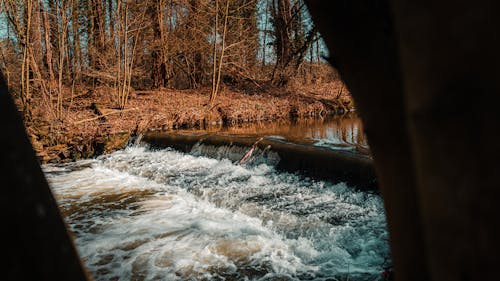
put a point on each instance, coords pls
(80, 146)
(354, 168)
(92, 124)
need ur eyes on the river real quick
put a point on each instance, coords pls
(144, 214)
(336, 132)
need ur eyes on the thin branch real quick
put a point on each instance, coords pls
(103, 115)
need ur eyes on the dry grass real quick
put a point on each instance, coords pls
(91, 118)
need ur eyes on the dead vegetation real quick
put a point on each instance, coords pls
(82, 71)
(94, 125)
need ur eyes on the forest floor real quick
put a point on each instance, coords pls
(93, 125)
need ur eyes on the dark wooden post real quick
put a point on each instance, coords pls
(425, 77)
(362, 40)
(36, 244)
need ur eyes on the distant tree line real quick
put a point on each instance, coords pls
(49, 47)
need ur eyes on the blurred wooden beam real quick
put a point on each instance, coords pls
(36, 243)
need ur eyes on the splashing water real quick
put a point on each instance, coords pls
(139, 214)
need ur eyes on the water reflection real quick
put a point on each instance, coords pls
(336, 132)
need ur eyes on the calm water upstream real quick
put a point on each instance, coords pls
(139, 214)
(336, 132)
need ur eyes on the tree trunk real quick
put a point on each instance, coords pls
(159, 68)
(196, 56)
(291, 41)
(96, 34)
(281, 18)
(48, 49)
(76, 43)
(36, 35)
(112, 22)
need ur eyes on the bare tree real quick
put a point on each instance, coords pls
(216, 83)
(152, 44)
(159, 52)
(290, 41)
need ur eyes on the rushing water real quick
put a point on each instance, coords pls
(139, 214)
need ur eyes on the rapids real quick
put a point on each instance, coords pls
(141, 214)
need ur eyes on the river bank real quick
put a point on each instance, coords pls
(92, 125)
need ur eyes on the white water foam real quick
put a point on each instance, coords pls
(139, 214)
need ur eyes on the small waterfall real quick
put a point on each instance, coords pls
(308, 160)
(236, 153)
